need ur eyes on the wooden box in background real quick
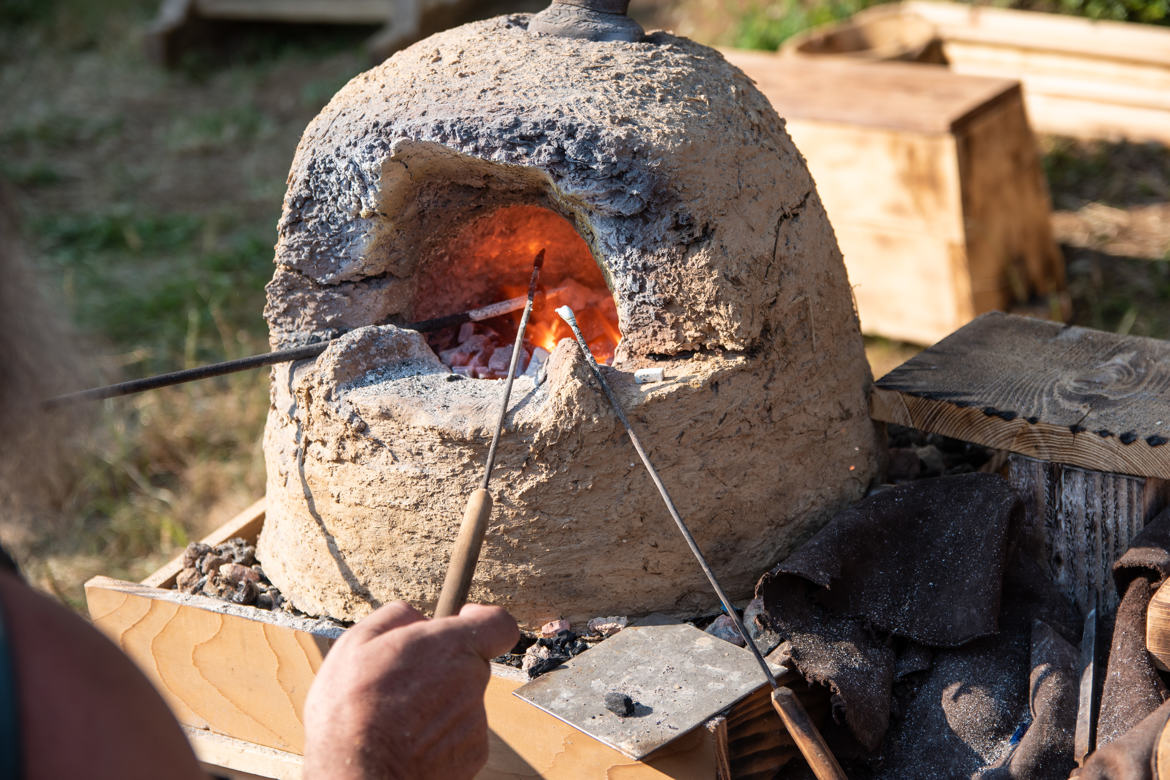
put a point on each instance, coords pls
(932, 182)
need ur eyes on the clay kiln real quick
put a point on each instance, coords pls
(660, 182)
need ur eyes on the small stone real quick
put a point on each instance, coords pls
(194, 551)
(756, 623)
(238, 551)
(188, 580)
(724, 628)
(244, 593)
(608, 626)
(212, 562)
(619, 704)
(904, 464)
(536, 362)
(217, 587)
(538, 659)
(932, 460)
(264, 601)
(235, 573)
(647, 376)
(554, 627)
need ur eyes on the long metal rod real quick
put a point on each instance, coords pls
(268, 358)
(567, 315)
(478, 512)
(517, 348)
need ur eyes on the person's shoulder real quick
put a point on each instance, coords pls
(85, 709)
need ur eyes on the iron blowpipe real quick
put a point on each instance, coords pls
(268, 358)
(465, 554)
(812, 745)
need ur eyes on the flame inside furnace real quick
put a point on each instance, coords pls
(490, 259)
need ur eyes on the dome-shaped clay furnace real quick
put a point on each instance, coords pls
(684, 189)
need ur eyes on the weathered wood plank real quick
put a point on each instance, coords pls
(1083, 521)
(1057, 393)
(1081, 77)
(241, 760)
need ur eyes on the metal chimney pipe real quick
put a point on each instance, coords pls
(593, 20)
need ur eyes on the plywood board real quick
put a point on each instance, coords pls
(235, 670)
(897, 96)
(1057, 393)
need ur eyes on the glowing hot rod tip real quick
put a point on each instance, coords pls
(566, 314)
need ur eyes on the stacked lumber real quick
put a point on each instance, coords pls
(1085, 78)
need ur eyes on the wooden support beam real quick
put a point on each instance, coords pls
(1084, 521)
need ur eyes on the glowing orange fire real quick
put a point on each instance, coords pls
(490, 259)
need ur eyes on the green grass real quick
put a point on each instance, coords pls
(768, 25)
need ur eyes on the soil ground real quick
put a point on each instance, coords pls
(149, 198)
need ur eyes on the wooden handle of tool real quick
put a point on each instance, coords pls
(1158, 628)
(806, 736)
(465, 555)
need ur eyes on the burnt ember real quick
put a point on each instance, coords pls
(619, 704)
(482, 350)
(549, 653)
(229, 572)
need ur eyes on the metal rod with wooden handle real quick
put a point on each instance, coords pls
(465, 553)
(804, 733)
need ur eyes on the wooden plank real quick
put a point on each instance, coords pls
(1081, 77)
(240, 760)
(897, 96)
(246, 525)
(1010, 249)
(1118, 41)
(235, 670)
(1057, 393)
(302, 11)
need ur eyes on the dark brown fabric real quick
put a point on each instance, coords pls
(1132, 756)
(1133, 688)
(841, 655)
(1045, 752)
(922, 561)
(1148, 555)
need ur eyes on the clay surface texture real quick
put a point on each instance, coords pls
(725, 272)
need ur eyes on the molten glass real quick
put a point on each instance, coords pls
(490, 259)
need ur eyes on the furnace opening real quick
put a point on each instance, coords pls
(489, 259)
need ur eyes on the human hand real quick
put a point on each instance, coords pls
(401, 696)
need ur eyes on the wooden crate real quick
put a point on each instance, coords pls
(236, 677)
(1086, 78)
(932, 183)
